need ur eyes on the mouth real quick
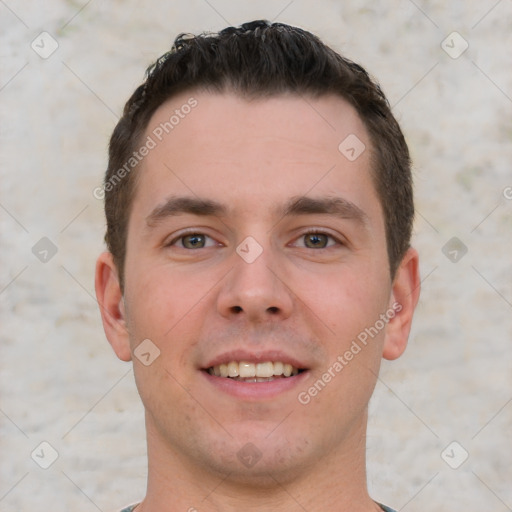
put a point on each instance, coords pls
(255, 377)
(246, 371)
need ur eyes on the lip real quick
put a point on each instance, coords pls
(255, 357)
(255, 390)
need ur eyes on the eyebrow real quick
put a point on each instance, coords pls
(300, 205)
(336, 206)
(180, 205)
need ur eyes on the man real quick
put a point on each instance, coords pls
(259, 210)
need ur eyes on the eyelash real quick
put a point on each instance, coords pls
(310, 232)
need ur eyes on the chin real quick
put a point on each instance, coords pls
(261, 460)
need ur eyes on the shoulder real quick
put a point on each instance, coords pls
(129, 508)
(386, 509)
(132, 507)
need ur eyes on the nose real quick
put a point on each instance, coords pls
(255, 289)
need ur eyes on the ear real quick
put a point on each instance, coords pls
(404, 297)
(110, 299)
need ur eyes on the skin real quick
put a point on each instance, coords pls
(308, 302)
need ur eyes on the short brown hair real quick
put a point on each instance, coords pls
(262, 59)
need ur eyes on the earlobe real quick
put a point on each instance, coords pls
(404, 298)
(112, 308)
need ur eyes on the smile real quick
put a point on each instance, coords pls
(254, 372)
(252, 375)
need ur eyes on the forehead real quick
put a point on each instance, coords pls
(254, 153)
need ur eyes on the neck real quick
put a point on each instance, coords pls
(334, 483)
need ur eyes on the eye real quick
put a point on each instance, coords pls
(193, 241)
(317, 240)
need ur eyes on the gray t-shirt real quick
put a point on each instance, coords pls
(131, 507)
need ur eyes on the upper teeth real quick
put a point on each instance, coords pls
(244, 369)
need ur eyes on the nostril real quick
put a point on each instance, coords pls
(237, 309)
(273, 310)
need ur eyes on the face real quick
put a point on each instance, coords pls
(257, 249)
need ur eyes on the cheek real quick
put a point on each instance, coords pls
(349, 304)
(167, 309)
(158, 299)
(346, 302)
(355, 309)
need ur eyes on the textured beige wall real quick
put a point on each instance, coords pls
(60, 382)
